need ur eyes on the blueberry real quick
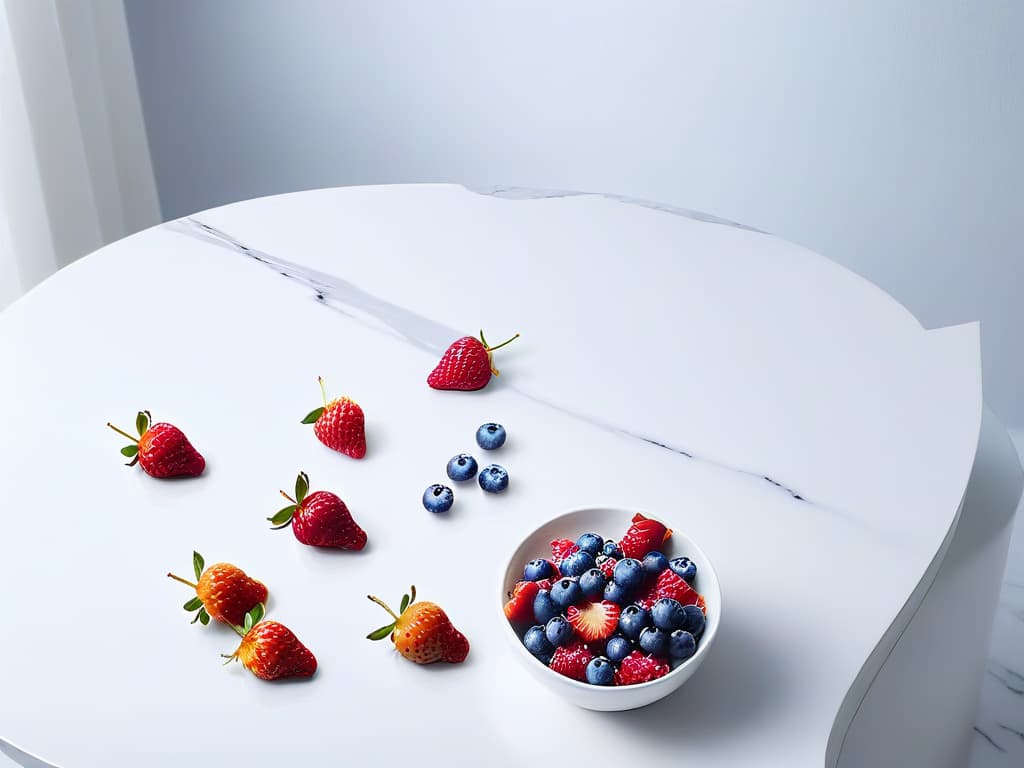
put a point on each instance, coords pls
(590, 542)
(629, 573)
(654, 641)
(592, 583)
(566, 592)
(536, 570)
(633, 620)
(616, 593)
(438, 498)
(617, 648)
(693, 620)
(600, 671)
(558, 631)
(493, 478)
(490, 436)
(462, 467)
(544, 608)
(667, 614)
(577, 564)
(654, 563)
(611, 549)
(681, 645)
(683, 567)
(537, 642)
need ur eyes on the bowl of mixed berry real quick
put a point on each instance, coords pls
(610, 608)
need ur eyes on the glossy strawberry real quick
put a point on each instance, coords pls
(520, 604)
(594, 621)
(319, 519)
(466, 364)
(561, 549)
(644, 535)
(607, 566)
(270, 650)
(668, 584)
(162, 450)
(639, 668)
(571, 660)
(339, 424)
(223, 592)
(422, 632)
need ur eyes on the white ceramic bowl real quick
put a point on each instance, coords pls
(611, 522)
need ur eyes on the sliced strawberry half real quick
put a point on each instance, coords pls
(571, 660)
(668, 584)
(638, 668)
(644, 535)
(561, 549)
(520, 606)
(594, 621)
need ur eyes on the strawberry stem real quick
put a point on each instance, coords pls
(122, 432)
(183, 581)
(293, 501)
(323, 391)
(241, 634)
(383, 605)
(499, 346)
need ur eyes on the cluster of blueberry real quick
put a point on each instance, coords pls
(493, 478)
(602, 608)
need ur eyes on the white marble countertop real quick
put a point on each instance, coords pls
(800, 423)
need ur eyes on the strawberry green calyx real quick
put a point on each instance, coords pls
(316, 413)
(252, 618)
(489, 349)
(142, 422)
(283, 517)
(195, 604)
(387, 629)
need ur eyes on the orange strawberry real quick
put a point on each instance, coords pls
(270, 650)
(339, 424)
(644, 535)
(223, 592)
(162, 450)
(520, 604)
(422, 632)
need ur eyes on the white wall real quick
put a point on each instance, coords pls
(885, 135)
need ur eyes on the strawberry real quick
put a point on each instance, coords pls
(644, 535)
(270, 650)
(320, 519)
(339, 424)
(561, 549)
(161, 449)
(607, 567)
(422, 632)
(571, 660)
(638, 668)
(668, 584)
(223, 592)
(466, 364)
(520, 604)
(594, 621)
(544, 584)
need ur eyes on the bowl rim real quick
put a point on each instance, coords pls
(607, 690)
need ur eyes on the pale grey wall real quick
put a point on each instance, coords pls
(883, 134)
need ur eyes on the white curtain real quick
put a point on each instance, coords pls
(74, 161)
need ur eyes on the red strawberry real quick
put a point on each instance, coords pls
(638, 668)
(223, 592)
(644, 535)
(561, 549)
(339, 424)
(571, 660)
(422, 632)
(594, 621)
(608, 567)
(162, 449)
(320, 519)
(270, 650)
(668, 584)
(466, 364)
(544, 584)
(702, 604)
(520, 605)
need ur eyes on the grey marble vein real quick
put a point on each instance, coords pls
(989, 739)
(532, 193)
(1014, 731)
(424, 333)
